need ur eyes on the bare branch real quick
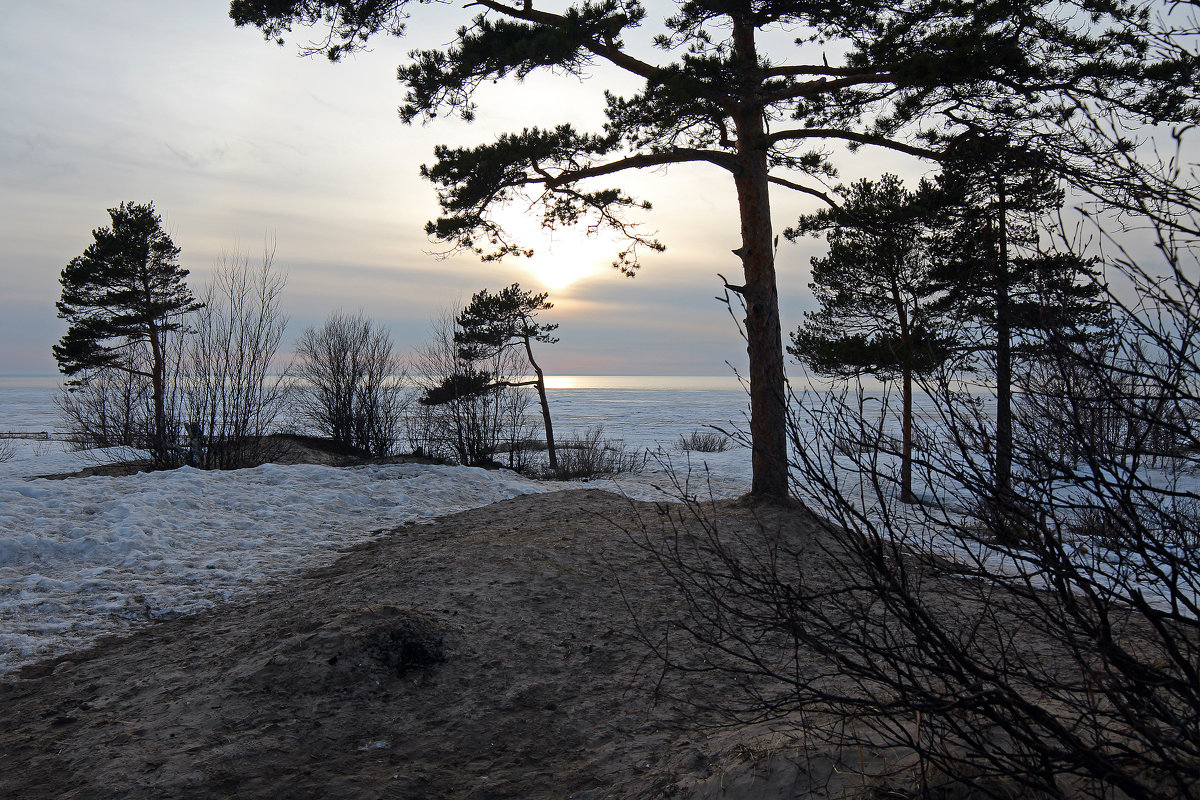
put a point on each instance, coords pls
(817, 193)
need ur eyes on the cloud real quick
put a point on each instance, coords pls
(236, 141)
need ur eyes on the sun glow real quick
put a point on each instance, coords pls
(560, 257)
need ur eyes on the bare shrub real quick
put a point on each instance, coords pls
(8, 450)
(111, 410)
(590, 455)
(420, 432)
(1112, 395)
(114, 406)
(353, 384)
(1043, 642)
(1043, 649)
(230, 390)
(518, 444)
(701, 441)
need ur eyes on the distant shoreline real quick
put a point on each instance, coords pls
(723, 382)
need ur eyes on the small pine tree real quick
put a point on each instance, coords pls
(876, 296)
(125, 293)
(491, 323)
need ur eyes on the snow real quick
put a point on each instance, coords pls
(82, 557)
(863, 493)
(34, 457)
(85, 557)
(670, 474)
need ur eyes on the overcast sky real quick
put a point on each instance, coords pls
(237, 141)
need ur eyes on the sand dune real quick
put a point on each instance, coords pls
(492, 653)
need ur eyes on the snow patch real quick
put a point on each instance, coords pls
(86, 557)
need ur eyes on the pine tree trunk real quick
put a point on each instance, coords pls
(906, 349)
(1003, 355)
(764, 339)
(157, 387)
(541, 390)
(906, 416)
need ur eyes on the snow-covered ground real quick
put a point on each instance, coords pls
(85, 557)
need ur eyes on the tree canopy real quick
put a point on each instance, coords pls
(874, 286)
(876, 295)
(507, 319)
(993, 201)
(121, 298)
(908, 76)
(125, 287)
(992, 204)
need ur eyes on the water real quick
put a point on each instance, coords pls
(644, 411)
(27, 405)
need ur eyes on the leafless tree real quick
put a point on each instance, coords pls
(353, 383)
(234, 388)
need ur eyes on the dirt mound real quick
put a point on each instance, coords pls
(291, 448)
(375, 645)
(491, 654)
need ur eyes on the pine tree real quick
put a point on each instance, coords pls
(121, 298)
(908, 77)
(491, 323)
(876, 297)
(994, 199)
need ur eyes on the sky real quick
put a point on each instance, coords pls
(240, 143)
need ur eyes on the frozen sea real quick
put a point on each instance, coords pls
(86, 557)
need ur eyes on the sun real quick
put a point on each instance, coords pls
(561, 263)
(561, 257)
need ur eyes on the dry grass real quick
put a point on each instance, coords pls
(701, 441)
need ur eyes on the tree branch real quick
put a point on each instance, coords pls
(805, 189)
(823, 85)
(792, 70)
(640, 161)
(850, 136)
(605, 49)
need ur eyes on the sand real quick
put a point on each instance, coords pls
(496, 653)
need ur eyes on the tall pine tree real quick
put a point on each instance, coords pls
(994, 200)
(121, 298)
(876, 297)
(907, 76)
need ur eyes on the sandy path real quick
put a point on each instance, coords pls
(330, 687)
